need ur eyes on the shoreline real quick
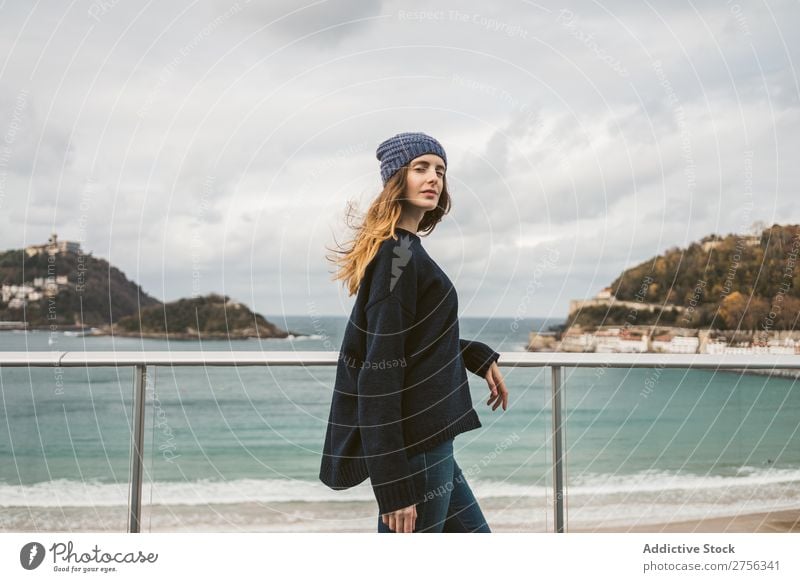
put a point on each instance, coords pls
(171, 336)
(780, 521)
(346, 517)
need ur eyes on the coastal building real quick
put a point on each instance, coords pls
(788, 346)
(619, 339)
(634, 343)
(661, 343)
(10, 292)
(41, 282)
(606, 341)
(616, 340)
(675, 344)
(684, 345)
(641, 339)
(575, 341)
(611, 340)
(53, 247)
(17, 296)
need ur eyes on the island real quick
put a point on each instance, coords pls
(57, 287)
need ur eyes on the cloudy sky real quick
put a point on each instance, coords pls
(213, 145)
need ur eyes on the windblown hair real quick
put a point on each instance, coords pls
(377, 226)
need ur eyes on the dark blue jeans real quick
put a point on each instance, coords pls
(449, 505)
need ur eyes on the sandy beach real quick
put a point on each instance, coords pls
(771, 522)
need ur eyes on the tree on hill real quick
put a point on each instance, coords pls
(96, 293)
(728, 282)
(211, 314)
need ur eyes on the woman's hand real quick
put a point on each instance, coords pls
(401, 520)
(497, 387)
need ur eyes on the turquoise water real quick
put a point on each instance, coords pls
(637, 440)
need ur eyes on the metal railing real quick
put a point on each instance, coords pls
(554, 360)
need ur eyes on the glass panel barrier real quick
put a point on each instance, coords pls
(660, 449)
(238, 449)
(65, 449)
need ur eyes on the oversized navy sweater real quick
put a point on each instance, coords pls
(401, 385)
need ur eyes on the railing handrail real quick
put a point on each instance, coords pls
(140, 360)
(320, 358)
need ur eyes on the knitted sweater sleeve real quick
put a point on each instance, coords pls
(478, 357)
(390, 313)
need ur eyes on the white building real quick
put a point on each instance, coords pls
(41, 287)
(683, 345)
(788, 346)
(575, 342)
(53, 247)
(10, 292)
(606, 342)
(633, 344)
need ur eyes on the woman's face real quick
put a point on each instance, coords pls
(424, 181)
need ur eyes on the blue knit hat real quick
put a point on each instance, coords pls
(397, 151)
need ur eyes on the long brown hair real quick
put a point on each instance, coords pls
(378, 225)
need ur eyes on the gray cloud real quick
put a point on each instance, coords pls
(323, 25)
(198, 138)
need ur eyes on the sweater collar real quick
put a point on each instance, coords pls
(400, 229)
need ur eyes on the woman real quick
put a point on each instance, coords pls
(401, 393)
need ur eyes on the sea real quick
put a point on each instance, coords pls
(238, 448)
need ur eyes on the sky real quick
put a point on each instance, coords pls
(213, 146)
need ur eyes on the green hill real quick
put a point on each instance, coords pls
(212, 316)
(96, 293)
(69, 290)
(731, 282)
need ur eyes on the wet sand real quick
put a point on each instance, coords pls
(771, 522)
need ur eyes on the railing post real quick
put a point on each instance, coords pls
(137, 447)
(558, 453)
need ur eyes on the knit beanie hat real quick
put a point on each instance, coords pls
(397, 151)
